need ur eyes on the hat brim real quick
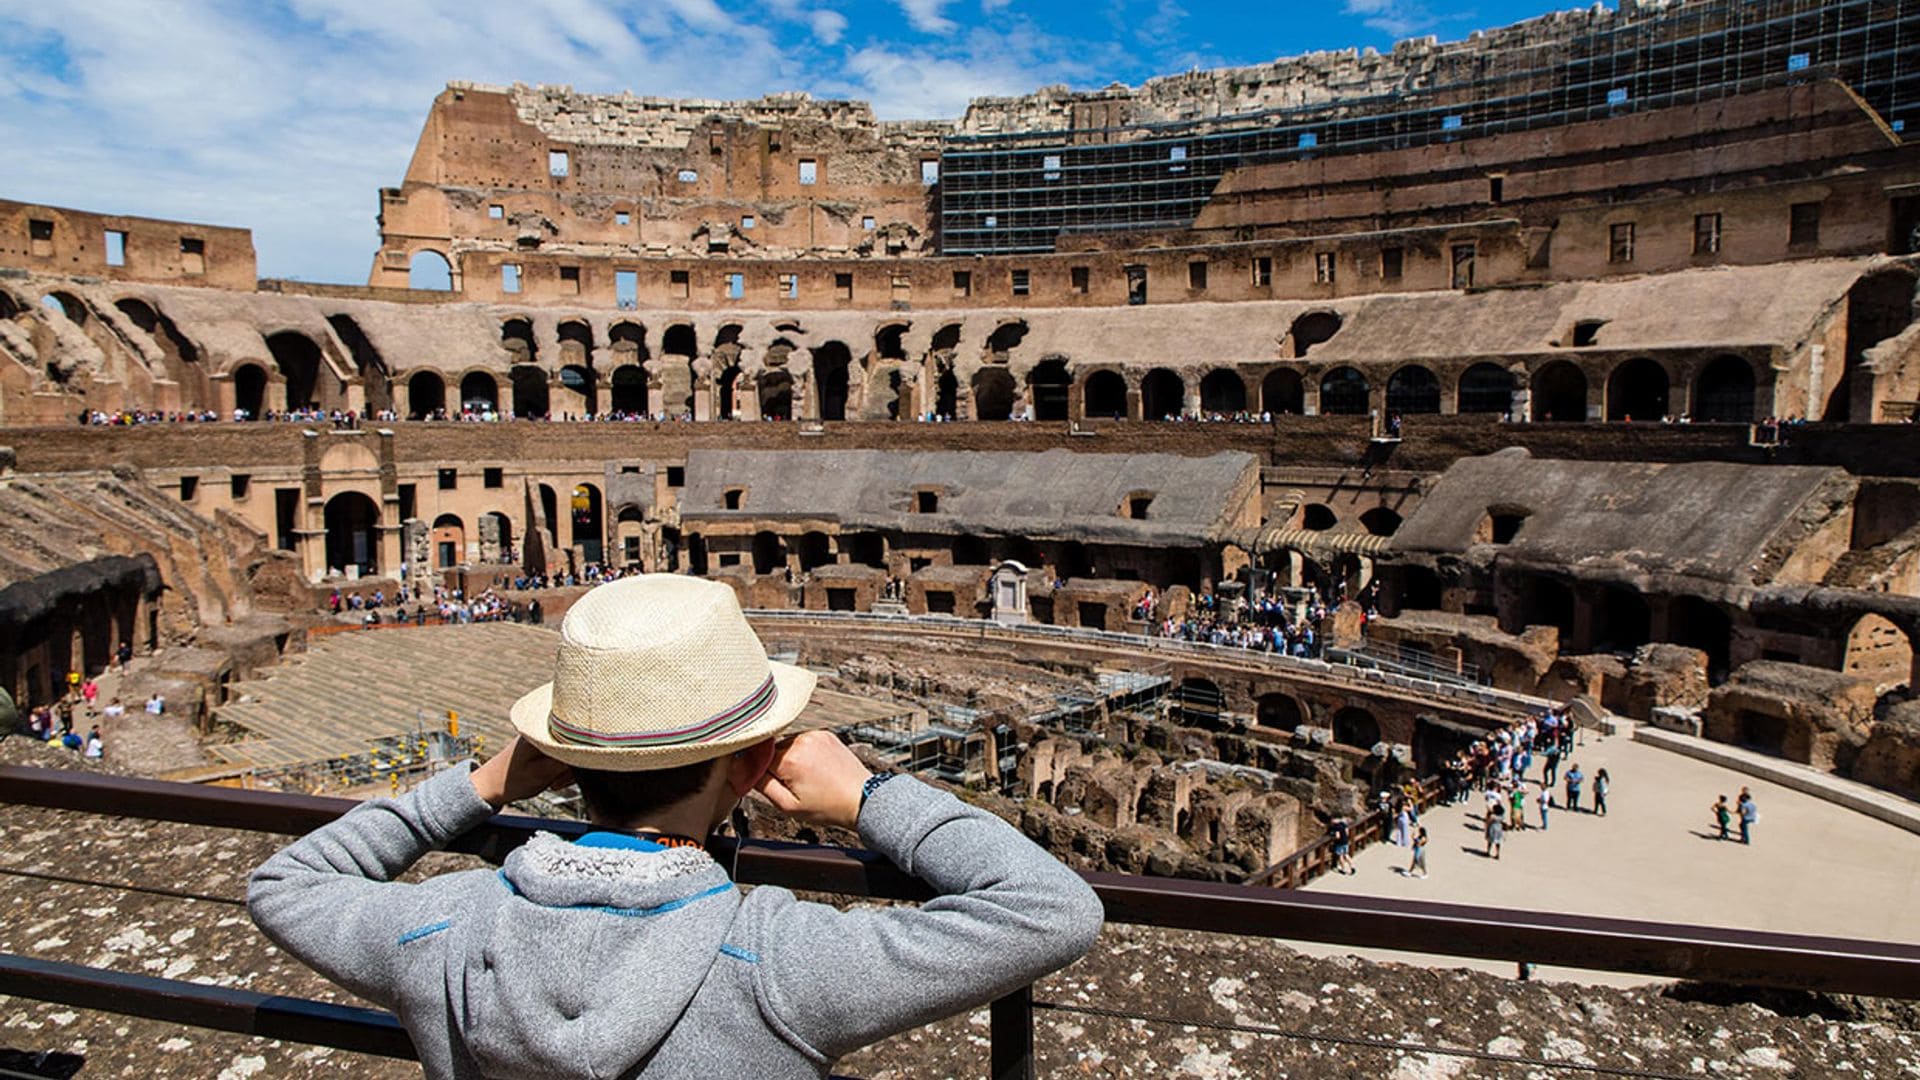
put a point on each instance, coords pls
(793, 686)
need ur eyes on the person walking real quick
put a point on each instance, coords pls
(1402, 826)
(1546, 802)
(1519, 800)
(1419, 866)
(1722, 816)
(1749, 816)
(1601, 782)
(1575, 779)
(1496, 831)
(1341, 832)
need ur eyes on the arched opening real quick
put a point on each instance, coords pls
(576, 343)
(1222, 392)
(1318, 516)
(1381, 521)
(1313, 328)
(1622, 620)
(66, 304)
(1485, 388)
(725, 386)
(768, 553)
(1723, 394)
(628, 342)
(865, 548)
(1356, 727)
(993, 394)
(426, 395)
(579, 380)
(299, 361)
(529, 391)
(588, 530)
(1198, 701)
(139, 313)
(1411, 391)
(831, 362)
(630, 390)
(1278, 711)
(1105, 396)
(1637, 390)
(946, 393)
(889, 342)
(969, 550)
(1344, 392)
(1550, 603)
(1283, 393)
(503, 529)
(815, 550)
(517, 336)
(1559, 392)
(1879, 650)
(776, 395)
(353, 539)
(1762, 732)
(1006, 337)
(250, 390)
(1163, 395)
(429, 270)
(629, 528)
(1047, 388)
(367, 361)
(449, 540)
(479, 393)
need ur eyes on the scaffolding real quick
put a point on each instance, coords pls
(1019, 192)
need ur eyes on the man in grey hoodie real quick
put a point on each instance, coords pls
(629, 953)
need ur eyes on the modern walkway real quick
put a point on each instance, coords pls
(1814, 867)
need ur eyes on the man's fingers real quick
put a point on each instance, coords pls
(778, 793)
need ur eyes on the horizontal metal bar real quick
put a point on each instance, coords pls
(1881, 969)
(244, 1012)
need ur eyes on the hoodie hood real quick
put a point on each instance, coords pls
(607, 941)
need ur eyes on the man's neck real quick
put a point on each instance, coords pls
(690, 822)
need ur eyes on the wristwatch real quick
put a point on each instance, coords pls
(872, 785)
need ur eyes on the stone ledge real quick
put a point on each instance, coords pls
(1881, 805)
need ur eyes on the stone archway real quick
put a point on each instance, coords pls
(352, 523)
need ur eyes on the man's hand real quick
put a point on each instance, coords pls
(518, 771)
(816, 779)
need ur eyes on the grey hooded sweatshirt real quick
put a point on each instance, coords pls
(612, 957)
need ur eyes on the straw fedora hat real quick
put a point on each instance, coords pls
(657, 671)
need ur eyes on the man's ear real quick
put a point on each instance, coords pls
(746, 767)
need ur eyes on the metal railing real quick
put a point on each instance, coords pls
(1881, 969)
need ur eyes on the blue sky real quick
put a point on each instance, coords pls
(285, 116)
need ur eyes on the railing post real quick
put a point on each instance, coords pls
(1010, 1031)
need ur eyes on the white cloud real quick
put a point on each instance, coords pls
(926, 16)
(827, 26)
(1397, 18)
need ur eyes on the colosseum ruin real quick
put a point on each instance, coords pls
(1173, 468)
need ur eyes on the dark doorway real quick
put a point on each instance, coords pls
(830, 365)
(250, 390)
(1356, 727)
(1222, 392)
(479, 393)
(1485, 388)
(1105, 396)
(1282, 393)
(529, 391)
(299, 361)
(588, 532)
(993, 394)
(1344, 392)
(776, 395)
(353, 537)
(426, 394)
(1163, 395)
(630, 390)
(1048, 386)
(1723, 394)
(1637, 390)
(1559, 393)
(1413, 390)
(1278, 711)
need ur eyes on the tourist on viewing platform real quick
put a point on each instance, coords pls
(630, 952)
(1518, 797)
(1546, 803)
(1722, 816)
(1418, 868)
(1575, 779)
(1341, 832)
(1496, 830)
(1601, 782)
(156, 705)
(1749, 815)
(95, 748)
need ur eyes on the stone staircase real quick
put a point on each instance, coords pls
(354, 688)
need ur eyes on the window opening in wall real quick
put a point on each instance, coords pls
(497, 212)
(493, 478)
(558, 164)
(747, 222)
(789, 286)
(286, 504)
(1451, 123)
(843, 286)
(929, 172)
(736, 286)
(1197, 274)
(902, 289)
(1587, 332)
(679, 282)
(1050, 166)
(1620, 242)
(1323, 267)
(868, 223)
(1463, 256)
(407, 499)
(116, 248)
(1799, 61)
(510, 277)
(926, 502)
(992, 221)
(630, 470)
(570, 279)
(1136, 285)
(1176, 159)
(1393, 262)
(1804, 224)
(239, 484)
(1262, 271)
(733, 497)
(1496, 188)
(449, 479)
(1021, 285)
(1138, 505)
(676, 476)
(809, 171)
(1080, 278)
(189, 487)
(1706, 234)
(621, 217)
(626, 289)
(40, 235)
(193, 255)
(963, 283)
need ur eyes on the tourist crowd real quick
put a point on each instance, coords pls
(1267, 623)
